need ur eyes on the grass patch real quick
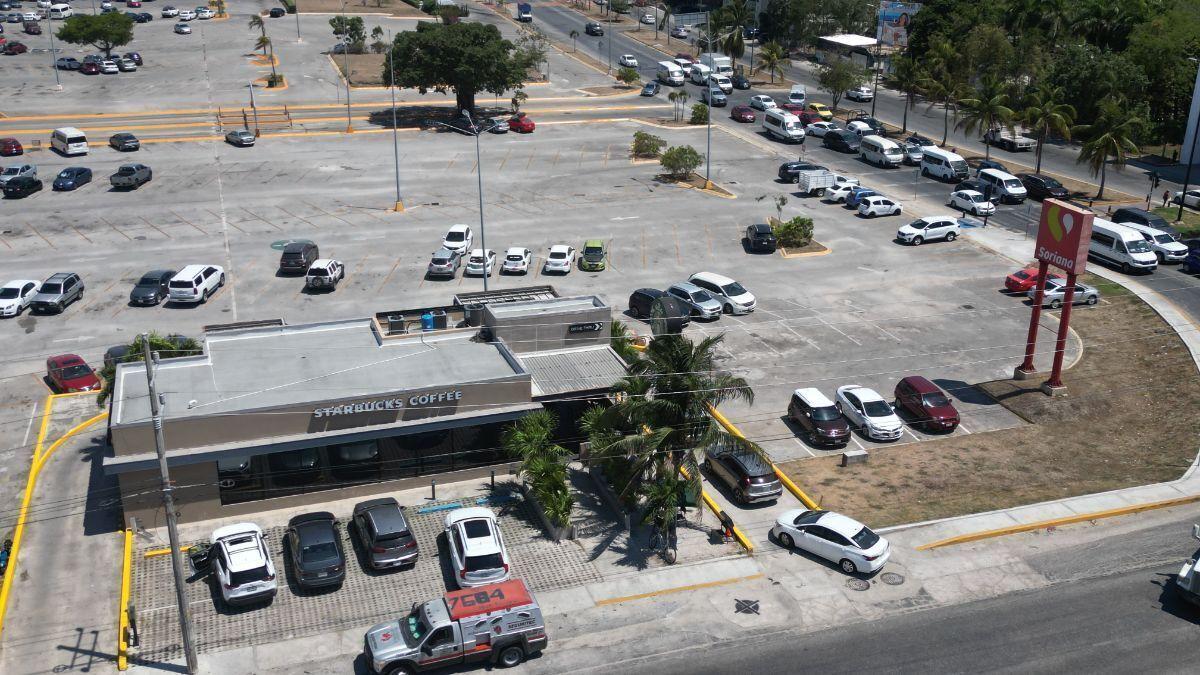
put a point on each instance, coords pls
(1188, 227)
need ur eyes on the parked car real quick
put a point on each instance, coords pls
(204, 13)
(714, 97)
(89, 68)
(297, 256)
(131, 176)
(760, 237)
(594, 257)
(989, 164)
(477, 553)
(700, 302)
(182, 29)
(918, 139)
(277, 12)
(55, 293)
(480, 262)
(124, 142)
(67, 63)
(734, 297)
(126, 65)
(929, 228)
(516, 261)
(818, 417)
(71, 178)
(628, 61)
(913, 153)
(822, 110)
(1056, 293)
(839, 192)
(444, 263)
(324, 274)
(973, 202)
(1136, 216)
(32, 28)
(21, 187)
(169, 12)
(740, 81)
(11, 147)
(521, 123)
(458, 238)
(742, 113)
(560, 259)
(152, 288)
(866, 410)
(241, 564)
(857, 194)
(1023, 280)
(314, 546)
(109, 67)
(16, 295)
(748, 476)
(788, 171)
(242, 138)
(842, 140)
(196, 283)
(1191, 198)
(14, 48)
(976, 185)
(926, 403)
(651, 88)
(834, 537)
(762, 102)
(642, 301)
(820, 128)
(70, 373)
(878, 205)
(13, 171)
(384, 533)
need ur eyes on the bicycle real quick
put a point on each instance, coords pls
(666, 545)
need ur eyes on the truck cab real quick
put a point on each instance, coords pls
(1187, 582)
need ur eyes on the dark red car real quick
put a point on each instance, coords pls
(521, 124)
(15, 48)
(928, 404)
(742, 113)
(90, 68)
(68, 373)
(807, 117)
(1023, 280)
(10, 147)
(794, 108)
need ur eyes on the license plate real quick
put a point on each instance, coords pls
(322, 574)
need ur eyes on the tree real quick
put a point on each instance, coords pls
(105, 32)
(518, 99)
(619, 6)
(678, 99)
(795, 233)
(219, 6)
(464, 57)
(1046, 114)
(839, 76)
(771, 59)
(574, 34)
(942, 82)
(1161, 48)
(620, 338)
(264, 43)
(532, 45)
(906, 76)
(646, 145)
(699, 114)
(257, 22)
(351, 30)
(628, 75)
(730, 22)
(543, 463)
(988, 110)
(167, 347)
(680, 161)
(1110, 135)
(378, 45)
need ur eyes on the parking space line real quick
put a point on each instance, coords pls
(839, 330)
(855, 439)
(261, 219)
(607, 152)
(118, 230)
(327, 213)
(505, 160)
(960, 426)
(806, 340)
(389, 275)
(643, 248)
(35, 231)
(910, 433)
(579, 164)
(675, 229)
(886, 332)
(556, 153)
(708, 237)
(4, 240)
(530, 160)
(453, 160)
(81, 234)
(805, 447)
(302, 219)
(185, 220)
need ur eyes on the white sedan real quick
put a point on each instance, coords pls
(837, 194)
(973, 202)
(15, 296)
(839, 539)
(1190, 198)
(867, 410)
(878, 205)
(762, 102)
(169, 12)
(648, 19)
(628, 60)
(819, 129)
(561, 259)
(480, 263)
(516, 261)
(929, 228)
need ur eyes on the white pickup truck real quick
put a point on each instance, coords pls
(1187, 582)
(1009, 139)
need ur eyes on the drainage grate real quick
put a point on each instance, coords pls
(858, 584)
(968, 306)
(891, 578)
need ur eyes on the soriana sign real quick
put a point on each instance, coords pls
(1063, 236)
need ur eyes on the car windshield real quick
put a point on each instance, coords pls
(1022, 274)
(72, 372)
(732, 290)
(11, 171)
(325, 550)
(248, 576)
(476, 563)
(791, 125)
(415, 629)
(455, 236)
(1012, 183)
(1051, 183)
(877, 408)
(1139, 246)
(51, 288)
(317, 272)
(66, 173)
(125, 171)
(701, 296)
(935, 400)
(439, 261)
(977, 198)
(1164, 238)
(148, 281)
(826, 414)
(476, 258)
(865, 538)
(478, 528)
(593, 251)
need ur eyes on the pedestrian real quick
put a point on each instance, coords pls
(1166, 197)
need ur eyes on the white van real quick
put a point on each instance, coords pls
(783, 125)
(669, 72)
(195, 283)
(734, 298)
(61, 12)
(69, 141)
(700, 73)
(721, 82)
(798, 95)
(880, 151)
(943, 164)
(1162, 244)
(1004, 185)
(1122, 246)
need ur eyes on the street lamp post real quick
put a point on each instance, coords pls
(53, 60)
(296, 11)
(346, 62)
(479, 176)
(609, 36)
(878, 67)
(395, 141)
(1191, 158)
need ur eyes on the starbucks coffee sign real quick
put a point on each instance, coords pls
(382, 404)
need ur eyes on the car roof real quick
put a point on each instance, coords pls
(861, 393)
(652, 292)
(687, 287)
(969, 193)
(314, 527)
(59, 277)
(458, 515)
(66, 359)
(158, 274)
(761, 227)
(843, 525)
(712, 278)
(459, 228)
(386, 518)
(515, 250)
(921, 384)
(594, 242)
(17, 283)
(559, 247)
(322, 262)
(813, 397)
(297, 246)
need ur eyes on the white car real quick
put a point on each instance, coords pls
(929, 228)
(109, 67)
(1190, 198)
(648, 19)
(837, 194)
(866, 409)
(183, 29)
(973, 202)
(561, 259)
(819, 129)
(169, 12)
(241, 564)
(187, 15)
(860, 93)
(834, 537)
(1056, 293)
(15, 296)
(204, 13)
(878, 205)
(734, 298)
(516, 261)
(105, 4)
(859, 128)
(762, 102)
(477, 553)
(459, 238)
(480, 262)
(628, 60)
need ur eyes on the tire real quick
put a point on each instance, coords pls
(848, 566)
(398, 669)
(917, 241)
(925, 172)
(820, 192)
(204, 297)
(950, 236)
(740, 495)
(1162, 259)
(1125, 268)
(1055, 303)
(510, 656)
(221, 281)
(870, 214)
(785, 540)
(727, 309)
(1091, 300)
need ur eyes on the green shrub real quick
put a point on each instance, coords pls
(699, 114)
(628, 75)
(647, 145)
(681, 160)
(795, 233)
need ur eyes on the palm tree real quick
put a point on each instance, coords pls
(679, 98)
(257, 22)
(574, 34)
(906, 76)
(771, 59)
(987, 111)
(733, 17)
(1110, 135)
(1044, 114)
(264, 43)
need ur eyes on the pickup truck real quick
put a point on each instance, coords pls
(131, 176)
(498, 623)
(815, 183)
(1008, 139)
(1187, 582)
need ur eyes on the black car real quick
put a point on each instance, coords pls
(789, 170)
(642, 305)
(124, 142)
(760, 237)
(842, 140)
(135, 57)
(990, 164)
(877, 127)
(650, 89)
(297, 256)
(740, 82)
(593, 28)
(151, 289)
(973, 184)
(1130, 214)
(1040, 187)
(115, 355)
(277, 12)
(918, 139)
(314, 545)
(143, 17)
(72, 177)
(21, 186)
(384, 533)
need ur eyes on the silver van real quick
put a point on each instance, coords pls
(1003, 185)
(880, 151)
(943, 164)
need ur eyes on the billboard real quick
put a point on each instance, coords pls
(894, 20)
(1063, 235)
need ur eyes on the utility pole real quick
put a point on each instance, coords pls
(254, 110)
(1191, 158)
(53, 53)
(185, 619)
(487, 273)
(395, 140)
(708, 110)
(346, 62)
(296, 11)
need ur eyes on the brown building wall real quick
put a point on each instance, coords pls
(535, 333)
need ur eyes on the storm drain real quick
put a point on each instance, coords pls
(891, 578)
(858, 584)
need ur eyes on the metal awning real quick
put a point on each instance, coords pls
(569, 371)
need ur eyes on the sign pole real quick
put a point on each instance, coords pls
(1060, 346)
(1026, 369)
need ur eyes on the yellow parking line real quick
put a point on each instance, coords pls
(679, 589)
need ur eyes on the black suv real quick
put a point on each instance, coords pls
(643, 300)
(746, 474)
(788, 171)
(1040, 187)
(1130, 214)
(760, 237)
(842, 140)
(152, 288)
(593, 28)
(57, 292)
(297, 256)
(384, 533)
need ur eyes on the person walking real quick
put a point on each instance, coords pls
(1166, 197)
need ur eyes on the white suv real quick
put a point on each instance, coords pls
(734, 298)
(878, 205)
(242, 564)
(459, 238)
(477, 551)
(928, 228)
(195, 283)
(867, 410)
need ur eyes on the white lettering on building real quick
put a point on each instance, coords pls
(377, 405)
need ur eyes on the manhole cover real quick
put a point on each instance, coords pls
(891, 578)
(858, 584)
(968, 306)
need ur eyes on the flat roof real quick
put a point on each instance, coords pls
(274, 366)
(850, 40)
(547, 306)
(563, 371)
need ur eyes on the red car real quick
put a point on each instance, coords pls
(68, 373)
(10, 147)
(794, 108)
(14, 48)
(521, 124)
(742, 113)
(926, 403)
(1023, 280)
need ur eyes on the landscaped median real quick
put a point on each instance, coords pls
(1124, 422)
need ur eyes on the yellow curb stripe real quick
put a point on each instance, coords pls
(807, 254)
(1056, 522)
(123, 606)
(783, 478)
(154, 553)
(679, 589)
(716, 509)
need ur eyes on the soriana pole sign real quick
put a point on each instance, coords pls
(1063, 236)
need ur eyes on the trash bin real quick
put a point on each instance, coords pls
(427, 321)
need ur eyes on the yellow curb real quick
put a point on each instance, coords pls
(679, 589)
(783, 478)
(123, 603)
(1056, 522)
(264, 62)
(806, 254)
(263, 81)
(715, 191)
(154, 553)
(717, 511)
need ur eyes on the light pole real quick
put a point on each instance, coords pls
(708, 131)
(395, 140)
(479, 176)
(878, 67)
(254, 110)
(296, 11)
(53, 61)
(1187, 175)
(610, 37)
(346, 63)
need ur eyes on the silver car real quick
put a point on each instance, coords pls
(384, 533)
(913, 153)
(240, 137)
(444, 263)
(1056, 293)
(700, 301)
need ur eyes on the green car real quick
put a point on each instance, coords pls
(593, 259)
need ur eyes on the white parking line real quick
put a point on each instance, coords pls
(822, 320)
(810, 452)
(806, 340)
(910, 433)
(29, 427)
(855, 439)
(886, 332)
(960, 426)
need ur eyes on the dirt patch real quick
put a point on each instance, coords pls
(1123, 423)
(390, 7)
(610, 90)
(696, 182)
(812, 248)
(366, 70)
